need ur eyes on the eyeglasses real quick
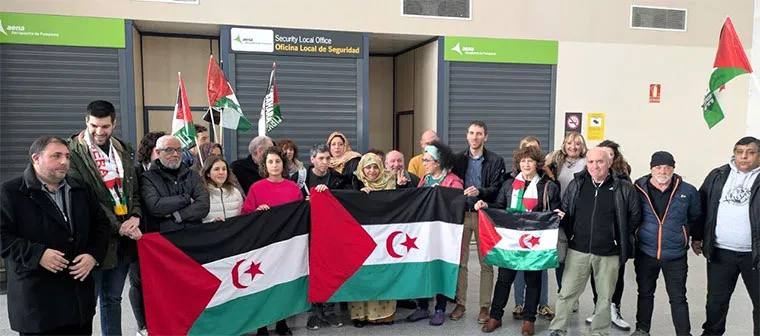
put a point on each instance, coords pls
(171, 150)
(428, 160)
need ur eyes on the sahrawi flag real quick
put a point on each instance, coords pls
(730, 61)
(182, 123)
(385, 245)
(227, 277)
(270, 115)
(525, 241)
(223, 99)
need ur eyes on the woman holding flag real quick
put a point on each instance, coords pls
(527, 191)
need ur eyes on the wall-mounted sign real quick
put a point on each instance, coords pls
(595, 126)
(494, 50)
(18, 28)
(281, 41)
(573, 122)
(654, 93)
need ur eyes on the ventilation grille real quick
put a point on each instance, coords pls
(658, 18)
(458, 9)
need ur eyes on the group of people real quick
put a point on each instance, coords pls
(83, 202)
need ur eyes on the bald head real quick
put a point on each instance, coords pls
(427, 138)
(394, 161)
(598, 163)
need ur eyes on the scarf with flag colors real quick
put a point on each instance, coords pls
(524, 199)
(525, 241)
(270, 115)
(385, 245)
(730, 61)
(223, 99)
(182, 123)
(227, 277)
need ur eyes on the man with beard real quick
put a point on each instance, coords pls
(247, 169)
(174, 196)
(669, 207)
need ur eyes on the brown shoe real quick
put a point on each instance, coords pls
(528, 328)
(491, 325)
(457, 313)
(483, 315)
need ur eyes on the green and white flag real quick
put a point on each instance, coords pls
(730, 61)
(182, 123)
(270, 108)
(525, 241)
(222, 98)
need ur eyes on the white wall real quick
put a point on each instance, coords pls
(753, 103)
(615, 78)
(381, 103)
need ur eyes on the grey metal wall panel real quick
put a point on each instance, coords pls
(44, 90)
(318, 95)
(514, 100)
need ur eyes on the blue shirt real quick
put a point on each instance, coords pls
(473, 178)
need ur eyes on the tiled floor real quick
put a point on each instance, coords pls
(739, 319)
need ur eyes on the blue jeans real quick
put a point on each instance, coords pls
(520, 289)
(108, 287)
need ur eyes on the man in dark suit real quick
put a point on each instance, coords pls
(52, 234)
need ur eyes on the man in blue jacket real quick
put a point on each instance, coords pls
(669, 207)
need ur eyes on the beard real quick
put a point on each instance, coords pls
(171, 165)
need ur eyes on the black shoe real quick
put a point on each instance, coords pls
(407, 304)
(313, 322)
(283, 331)
(359, 323)
(263, 331)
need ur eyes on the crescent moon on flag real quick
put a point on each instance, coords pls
(389, 244)
(521, 241)
(236, 275)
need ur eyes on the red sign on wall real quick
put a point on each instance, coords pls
(654, 93)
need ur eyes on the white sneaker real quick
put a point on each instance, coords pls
(589, 319)
(617, 319)
(142, 332)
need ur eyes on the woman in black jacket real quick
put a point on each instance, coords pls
(526, 191)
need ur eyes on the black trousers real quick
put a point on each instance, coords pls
(136, 295)
(723, 270)
(675, 272)
(501, 293)
(440, 303)
(619, 286)
(84, 329)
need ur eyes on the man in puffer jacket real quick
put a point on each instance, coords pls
(669, 207)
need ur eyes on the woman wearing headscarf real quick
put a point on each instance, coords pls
(342, 158)
(371, 176)
(527, 191)
(437, 161)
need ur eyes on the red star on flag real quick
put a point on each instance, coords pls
(254, 270)
(534, 241)
(410, 243)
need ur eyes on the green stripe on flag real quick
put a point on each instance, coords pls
(400, 281)
(248, 313)
(523, 260)
(721, 76)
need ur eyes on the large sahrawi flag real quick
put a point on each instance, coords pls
(227, 277)
(525, 241)
(385, 245)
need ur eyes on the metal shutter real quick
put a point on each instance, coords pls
(514, 100)
(318, 95)
(44, 90)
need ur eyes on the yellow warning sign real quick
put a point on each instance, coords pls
(595, 125)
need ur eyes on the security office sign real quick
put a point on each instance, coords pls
(281, 41)
(18, 28)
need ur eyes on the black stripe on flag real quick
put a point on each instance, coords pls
(217, 240)
(404, 205)
(523, 221)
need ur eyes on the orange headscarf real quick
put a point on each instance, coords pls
(339, 163)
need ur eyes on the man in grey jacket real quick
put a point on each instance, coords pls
(174, 195)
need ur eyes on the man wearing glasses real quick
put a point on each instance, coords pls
(173, 195)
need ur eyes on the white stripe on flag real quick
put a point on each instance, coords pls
(510, 239)
(435, 240)
(281, 262)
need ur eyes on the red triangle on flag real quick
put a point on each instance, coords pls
(338, 248)
(730, 50)
(216, 84)
(182, 108)
(176, 289)
(487, 234)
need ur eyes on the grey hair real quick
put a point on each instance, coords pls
(161, 142)
(318, 148)
(257, 142)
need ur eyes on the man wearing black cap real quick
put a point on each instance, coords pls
(729, 234)
(669, 207)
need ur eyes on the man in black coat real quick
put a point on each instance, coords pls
(52, 234)
(174, 196)
(247, 169)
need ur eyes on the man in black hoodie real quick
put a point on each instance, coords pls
(601, 212)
